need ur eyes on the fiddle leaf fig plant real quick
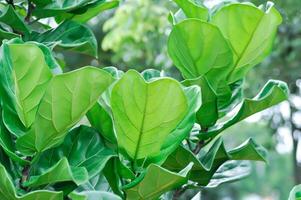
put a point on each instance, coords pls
(95, 133)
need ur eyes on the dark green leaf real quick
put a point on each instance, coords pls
(70, 35)
(155, 182)
(8, 191)
(81, 157)
(209, 162)
(272, 93)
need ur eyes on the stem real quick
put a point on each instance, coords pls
(178, 193)
(30, 8)
(25, 173)
(11, 2)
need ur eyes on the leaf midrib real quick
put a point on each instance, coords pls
(141, 126)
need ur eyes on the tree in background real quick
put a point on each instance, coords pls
(137, 35)
(285, 64)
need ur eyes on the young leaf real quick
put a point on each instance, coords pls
(70, 35)
(8, 191)
(199, 49)
(146, 112)
(155, 182)
(272, 93)
(208, 163)
(250, 31)
(67, 99)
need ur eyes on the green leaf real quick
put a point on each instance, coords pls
(81, 157)
(198, 48)
(155, 182)
(8, 191)
(7, 144)
(60, 172)
(9, 17)
(250, 31)
(48, 8)
(7, 35)
(102, 121)
(175, 138)
(272, 93)
(150, 74)
(295, 194)
(209, 162)
(67, 99)
(207, 115)
(146, 112)
(93, 195)
(230, 171)
(24, 79)
(71, 36)
(193, 9)
(89, 11)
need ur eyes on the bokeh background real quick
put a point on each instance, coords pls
(134, 36)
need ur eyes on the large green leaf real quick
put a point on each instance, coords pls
(146, 112)
(81, 157)
(295, 194)
(182, 131)
(199, 49)
(70, 35)
(250, 31)
(155, 182)
(272, 93)
(25, 75)
(8, 191)
(209, 162)
(193, 9)
(67, 99)
(9, 17)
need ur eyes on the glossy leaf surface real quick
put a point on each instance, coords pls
(250, 31)
(67, 99)
(146, 112)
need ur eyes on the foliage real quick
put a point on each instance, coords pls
(137, 34)
(148, 134)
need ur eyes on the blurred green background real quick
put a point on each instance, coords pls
(134, 36)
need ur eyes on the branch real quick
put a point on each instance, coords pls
(30, 8)
(25, 174)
